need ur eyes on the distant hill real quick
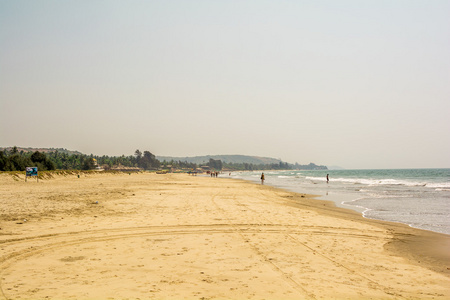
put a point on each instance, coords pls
(335, 168)
(240, 159)
(44, 150)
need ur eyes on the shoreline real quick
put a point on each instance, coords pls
(403, 242)
(407, 240)
(363, 211)
(346, 199)
(174, 236)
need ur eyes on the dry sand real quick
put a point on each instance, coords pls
(175, 236)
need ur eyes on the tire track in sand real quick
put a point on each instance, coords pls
(308, 243)
(299, 287)
(20, 249)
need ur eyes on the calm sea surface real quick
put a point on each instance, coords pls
(417, 197)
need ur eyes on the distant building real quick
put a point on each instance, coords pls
(97, 167)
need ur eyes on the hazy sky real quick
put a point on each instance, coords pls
(358, 84)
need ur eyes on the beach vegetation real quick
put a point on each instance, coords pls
(215, 164)
(17, 159)
(89, 163)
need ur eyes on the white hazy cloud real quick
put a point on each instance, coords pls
(360, 84)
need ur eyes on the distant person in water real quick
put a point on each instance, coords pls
(262, 178)
(328, 179)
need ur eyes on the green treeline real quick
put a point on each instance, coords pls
(15, 160)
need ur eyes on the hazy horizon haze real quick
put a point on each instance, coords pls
(356, 84)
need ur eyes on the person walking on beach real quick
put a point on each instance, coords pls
(328, 179)
(262, 178)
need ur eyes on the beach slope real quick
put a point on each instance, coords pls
(174, 236)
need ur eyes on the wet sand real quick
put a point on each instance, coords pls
(174, 236)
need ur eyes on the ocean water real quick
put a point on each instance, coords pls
(417, 197)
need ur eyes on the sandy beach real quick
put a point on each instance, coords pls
(175, 236)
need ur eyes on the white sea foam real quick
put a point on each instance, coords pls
(387, 196)
(351, 203)
(380, 182)
(316, 178)
(441, 185)
(412, 197)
